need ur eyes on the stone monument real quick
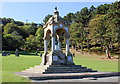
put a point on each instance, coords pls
(54, 30)
(17, 53)
(56, 61)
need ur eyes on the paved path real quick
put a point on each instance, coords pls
(72, 77)
(67, 74)
(105, 79)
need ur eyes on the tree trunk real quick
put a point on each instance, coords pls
(82, 46)
(107, 52)
(73, 46)
(79, 47)
(101, 42)
(88, 47)
(111, 45)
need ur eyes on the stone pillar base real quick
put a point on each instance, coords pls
(70, 60)
(58, 58)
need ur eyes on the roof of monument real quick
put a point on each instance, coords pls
(55, 18)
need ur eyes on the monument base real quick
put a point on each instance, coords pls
(58, 58)
(91, 76)
(53, 69)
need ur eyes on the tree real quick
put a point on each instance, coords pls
(32, 29)
(92, 11)
(92, 8)
(69, 18)
(113, 24)
(102, 9)
(82, 16)
(39, 36)
(47, 18)
(7, 20)
(19, 23)
(97, 29)
(29, 29)
(31, 43)
(9, 28)
(77, 35)
(11, 42)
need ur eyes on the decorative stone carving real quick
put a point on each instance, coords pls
(55, 58)
(56, 28)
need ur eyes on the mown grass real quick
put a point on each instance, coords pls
(97, 63)
(11, 64)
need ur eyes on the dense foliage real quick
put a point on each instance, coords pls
(23, 36)
(89, 28)
(96, 28)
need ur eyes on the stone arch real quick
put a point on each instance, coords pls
(47, 34)
(61, 31)
(61, 35)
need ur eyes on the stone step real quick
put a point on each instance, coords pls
(50, 72)
(58, 69)
(66, 68)
(36, 69)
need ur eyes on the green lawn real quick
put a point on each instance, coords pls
(11, 64)
(96, 63)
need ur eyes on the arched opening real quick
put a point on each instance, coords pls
(47, 45)
(48, 35)
(60, 39)
(48, 39)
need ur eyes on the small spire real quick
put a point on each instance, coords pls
(56, 11)
(56, 8)
(56, 14)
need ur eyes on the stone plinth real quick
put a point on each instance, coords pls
(53, 69)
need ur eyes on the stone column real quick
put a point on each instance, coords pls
(68, 54)
(59, 44)
(45, 51)
(45, 46)
(53, 44)
(67, 46)
(56, 43)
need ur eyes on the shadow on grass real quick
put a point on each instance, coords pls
(26, 53)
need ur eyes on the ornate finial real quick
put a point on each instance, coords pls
(56, 15)
(56, 8)
(56, 11)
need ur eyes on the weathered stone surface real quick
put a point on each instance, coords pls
(39, 76)
(66, 69)
(56, 29)
(50, 69)
(17, 53)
